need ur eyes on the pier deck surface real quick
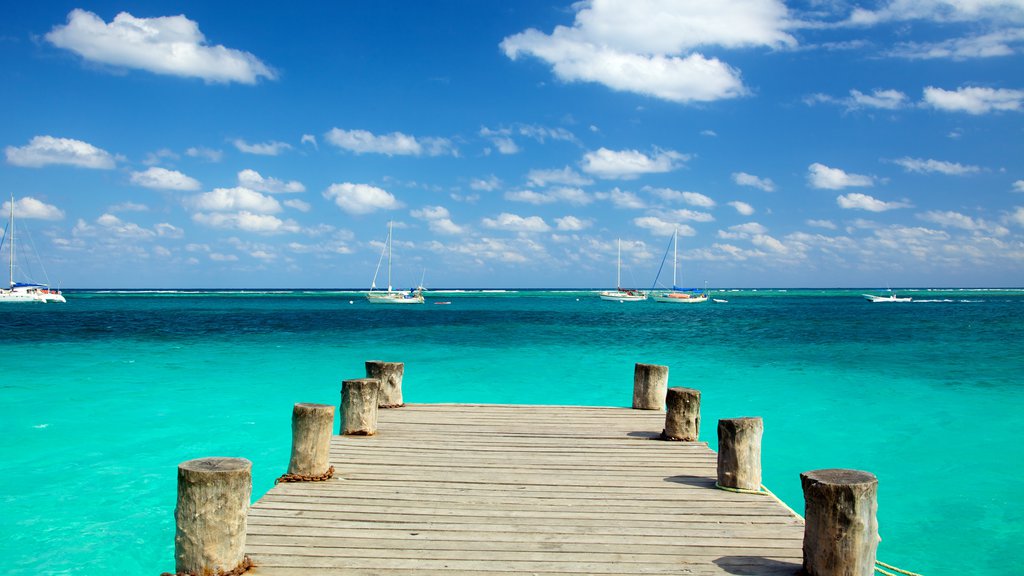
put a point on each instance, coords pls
(498, 489)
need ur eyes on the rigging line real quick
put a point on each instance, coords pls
(663, 258)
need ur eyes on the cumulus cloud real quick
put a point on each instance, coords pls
(394, 144)
(516, 223)
(234, 199)
(361, 198)
(253, 180)
(826, 178)
(661, 227)
(122, 229)
(164, 179)
(574, 196)
(571, 224)
(691, 198)
(309, 139)
(692, 215)
(742, 207)
(171, 45)
(744, 179)
(271, 148)
(489, 184)
(46, 150)
(565, 176)
(208, 154)
(621, 199)
(857, 100)
(650, 46)
(950, 219)
(246, 221)
(974, 99)
(630, 164)
(864, 202)
(1018, 186)
(991, 45)
(1017, 216)
(826, 224)
(30, 208)
(921, 165)
(939, 11)
(438, 220)
(298, 205)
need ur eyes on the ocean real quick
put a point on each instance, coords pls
(103, 397)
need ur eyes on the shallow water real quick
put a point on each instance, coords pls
(104, 396)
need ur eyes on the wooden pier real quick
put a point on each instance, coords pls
(492, 489)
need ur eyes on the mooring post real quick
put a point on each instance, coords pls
(650, 384)
(311, 439)
(840, 524)
(739, 453)
(213, 502)
(359, 398)
(682, 414)
(390, 375)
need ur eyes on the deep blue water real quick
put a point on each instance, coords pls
(101, 398)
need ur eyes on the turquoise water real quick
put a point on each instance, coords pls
(101, 398)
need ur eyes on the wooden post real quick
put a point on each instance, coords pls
(841, 529)
(739, 453)
(682, 415)
(213, 501)
(359, 398)
(650, 384)
(390, 376)
(311, 439)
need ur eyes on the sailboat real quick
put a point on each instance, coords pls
(391, 296)
(620, 294)
(23, 291)
(677, 295)
(891, 297)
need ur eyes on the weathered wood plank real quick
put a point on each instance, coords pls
(478, 489)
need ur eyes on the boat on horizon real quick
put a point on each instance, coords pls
(891, 297)
(17, 292)
(621, 294)
(391, 296)
(677, 295)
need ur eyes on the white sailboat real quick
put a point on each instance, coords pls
(391, 296)
(677, 295)
(23, 291)
(620, 294)
(891, 297)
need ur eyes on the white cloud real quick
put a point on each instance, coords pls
(129, 207)
(271, 148)
(1018, 186)
(361, 198)
(1017, 216)
(171, 45)
(45, 150)
(164, 179)
(660, 227)
(940, 11)
(629, 164)
(438, 219)
(29, 208)
(742, 207)
(769, 243)
(234, 199)
(992, 45)
(857, 100)
(749, 228)
(691, 198)
(207, 154)
(649, 46)
(299, 205)
(825, 178)
(951, 219)
(571, 224)
(121, 229)
(621, 199)
(168, 230)
(744, 179)
(869, 203)
(924, 166)
(309, 139)
(974, 100)
(253, 180)
(394, 144)
(516, 223)
(489, 184)
(246, 221)
(573, 196)
(566, 176)
(827, 224)
(692, 215)
(502, 139)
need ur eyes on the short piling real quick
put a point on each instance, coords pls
(841, 528)
(390, 375)
(311, 441)
(682, 415)
(739, 453)
(359, 399)
(211, 514)
(650, 384)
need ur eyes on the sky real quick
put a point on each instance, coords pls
(515, 144)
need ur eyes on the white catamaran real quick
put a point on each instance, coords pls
(23, 291)
(620, 294)
(391, 296)
(677, 295)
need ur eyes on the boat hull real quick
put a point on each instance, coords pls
(622, 296)
(393, 298)
(894, 298)
(675, 298)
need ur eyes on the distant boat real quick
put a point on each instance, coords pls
(892, 297)
(677, 295)
(391, 296)
(620, 294)
(23, 291)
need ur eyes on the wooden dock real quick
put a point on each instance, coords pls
(490, 489)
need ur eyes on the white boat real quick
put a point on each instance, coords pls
(622, 294)
(892, 297)
(18, 292)
(677, 295)
(391, 296)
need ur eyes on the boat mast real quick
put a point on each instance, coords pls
(618, 266)
(11, 241)
(389, 255)
(675, 255)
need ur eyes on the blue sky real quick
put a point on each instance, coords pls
(243, 144)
